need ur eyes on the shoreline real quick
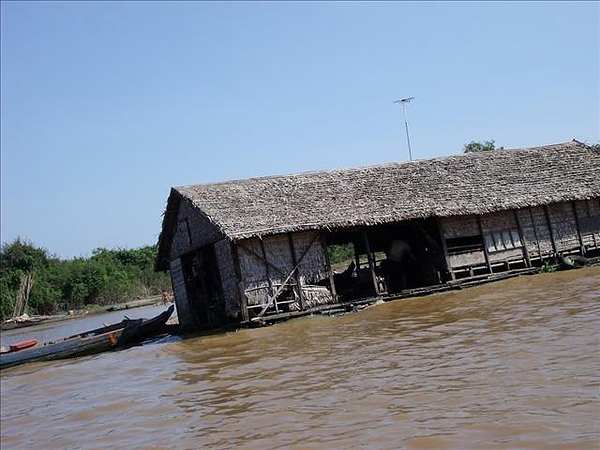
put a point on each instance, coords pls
(31, 321)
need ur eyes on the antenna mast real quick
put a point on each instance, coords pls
(403, 102)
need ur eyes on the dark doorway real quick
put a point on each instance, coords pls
(203, 287)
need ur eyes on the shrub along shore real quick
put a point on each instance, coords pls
(34, 282)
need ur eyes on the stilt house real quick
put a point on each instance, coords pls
(261, 248)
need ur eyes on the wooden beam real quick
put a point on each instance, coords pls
(445, 249)
(370, 259)
(329, 269)
(243, 300)
(522, 235)
(535, 234)
(578, 228)
(552, 239)
(266, 262)
(296, 275)
(485, 250)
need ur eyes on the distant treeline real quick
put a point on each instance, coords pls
(50, 284)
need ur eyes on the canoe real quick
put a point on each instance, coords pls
(71, 347)
(146, 328)
(22, 345)
(120, 335)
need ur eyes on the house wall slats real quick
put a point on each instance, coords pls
(184, 312)
(257, 278)
(278, 253)
(229, 285)
(542, 231)
(529, 231)
(588, 215)
(254, 272)
(502, 220)
(466, 259)
(194, 230)
(313, 267)
(514, 254)
(459, 226)
(501, 235)
(564, 226)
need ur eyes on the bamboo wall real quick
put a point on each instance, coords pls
(588, 216)
(564, 227)
(229, 281)
(536, 232)
(501, 236)
(524, 235)
(194, 230)
(265, 266)
(460, 227)
(184, 312)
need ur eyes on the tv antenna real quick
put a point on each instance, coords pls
(403, 102)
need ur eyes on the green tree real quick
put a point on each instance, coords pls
(107, 277)
(485, 146)
(18, 260)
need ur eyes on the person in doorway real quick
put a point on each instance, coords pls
(165, 297)
(399, 257)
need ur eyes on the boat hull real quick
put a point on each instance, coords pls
(67, 348)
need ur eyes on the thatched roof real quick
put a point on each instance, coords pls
(473, 183)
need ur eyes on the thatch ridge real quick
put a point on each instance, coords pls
(474, 183)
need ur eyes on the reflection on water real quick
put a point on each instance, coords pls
(508, 365)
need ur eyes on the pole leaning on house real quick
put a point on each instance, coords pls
(403, 102)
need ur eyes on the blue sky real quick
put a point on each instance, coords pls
(106, 105)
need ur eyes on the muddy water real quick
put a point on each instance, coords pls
(515, 364)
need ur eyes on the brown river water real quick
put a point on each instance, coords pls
(508, 365)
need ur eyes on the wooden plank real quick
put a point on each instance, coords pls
(549, 222)
(523, 240)
(578, 227)
(243, 300)
(485, 251)
(330, 272)
(370, 259)
(445, 250)
(296, 276)
(267, 265)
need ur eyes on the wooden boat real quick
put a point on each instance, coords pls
(146, 328)
(22, 345)
(123, 334)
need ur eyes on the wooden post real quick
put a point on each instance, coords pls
(535, 234)
(547, 214)
(267, 266)
(522, 235)
(589, 215)
(445, 250)
(329, 269)
(370, 259)
(485, 250)
(238, 273)
(296, 273)
(582, 247)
